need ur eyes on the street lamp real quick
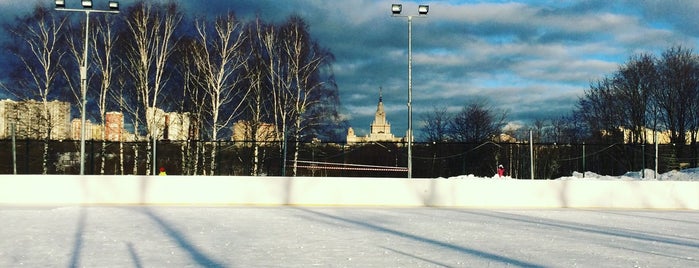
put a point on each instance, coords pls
(422, 10)
(87, 8)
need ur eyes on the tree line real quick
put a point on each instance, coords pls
(646, 93)
(215, 71)
(478, 121)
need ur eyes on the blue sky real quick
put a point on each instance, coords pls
(533, 59)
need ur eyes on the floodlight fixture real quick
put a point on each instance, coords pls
(423, 9)
(87, 3)
(60, 3)
(113, 5)
(396, 8)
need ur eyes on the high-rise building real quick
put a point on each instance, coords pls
(75, 129)
(168, 126)
(35, 120)
(380, 128)
(114, 127)
(178, 125)
(6, 119)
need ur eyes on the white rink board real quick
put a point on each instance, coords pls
(332, 191)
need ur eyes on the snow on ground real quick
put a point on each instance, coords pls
(690, 174)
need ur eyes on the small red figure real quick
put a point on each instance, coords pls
(501, 171)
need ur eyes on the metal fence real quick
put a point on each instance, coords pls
(430, 160)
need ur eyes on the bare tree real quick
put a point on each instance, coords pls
(119, 97)
(563, 130)
(129, 105)
(679, 80)
(151, 29)
(102, 58)
(39, 48)
(260, 93)
(275, 75)
(598, 108)
(477, 122)
(436, 125)
(634, 83)
(192, 103)
(106, 68)
(220, 62)
(288, 76)
(305, 58)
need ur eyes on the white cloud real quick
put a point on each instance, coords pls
(526, 53)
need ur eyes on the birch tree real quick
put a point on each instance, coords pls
(276, 78)
(192, 100)
(120, 100)
(260, 89)
(102, 37)
(305, 59)
(220, 62)
(39, 47)
(151, 29)
(103, 51)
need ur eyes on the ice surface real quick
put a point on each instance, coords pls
(352, 236)
(345, 237)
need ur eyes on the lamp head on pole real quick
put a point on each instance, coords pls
(423, 9)
(113, 5)
(60, 3)
(87, 3)
(396, 9)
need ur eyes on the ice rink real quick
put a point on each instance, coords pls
(345, 237)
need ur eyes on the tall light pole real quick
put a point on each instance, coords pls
(87, 9)
(422, 10)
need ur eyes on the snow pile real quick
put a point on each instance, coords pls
(629, 176)
(473, 177)
(690, 174)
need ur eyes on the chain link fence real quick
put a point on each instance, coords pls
(430, 160)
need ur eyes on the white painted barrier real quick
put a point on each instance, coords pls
(221, 190)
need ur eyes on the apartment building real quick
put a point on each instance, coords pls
(114, 127)
(243, 131)
(34, 119)
(168, 126)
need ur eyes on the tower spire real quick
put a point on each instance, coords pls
(380, 94)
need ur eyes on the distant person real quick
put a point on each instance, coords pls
(501, 171)
(162, 172)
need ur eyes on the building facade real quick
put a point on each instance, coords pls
(243, 131)
(168, 126)
(114, 126)
(76, 126)
(380, 128)
(35, 120)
